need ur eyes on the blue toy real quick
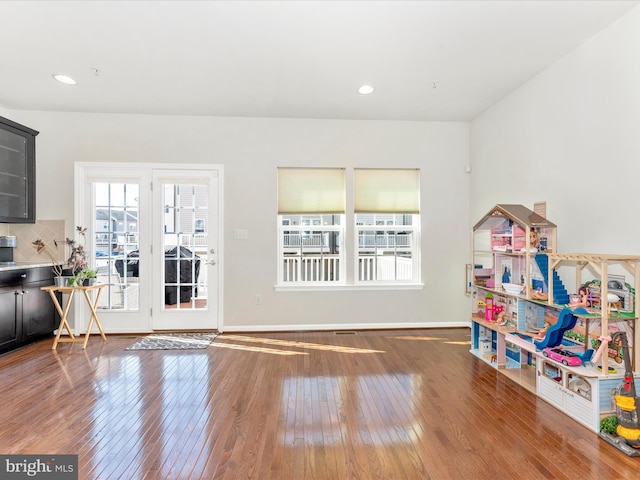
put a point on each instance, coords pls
(566, 321)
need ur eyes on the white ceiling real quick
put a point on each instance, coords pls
(428, 60)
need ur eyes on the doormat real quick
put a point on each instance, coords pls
(174, 341)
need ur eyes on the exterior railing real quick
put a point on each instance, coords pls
(365, 240)
(195, 240)
(376, 267)
(326, 268)
(292, 240)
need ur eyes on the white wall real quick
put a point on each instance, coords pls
(250, 150)
(570, 136)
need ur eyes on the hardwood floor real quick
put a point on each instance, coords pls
(372, 405)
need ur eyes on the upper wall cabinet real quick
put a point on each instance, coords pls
(17, 173)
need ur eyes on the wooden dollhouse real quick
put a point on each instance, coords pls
(515, 250)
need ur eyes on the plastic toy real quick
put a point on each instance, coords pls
(534, 239)
(612, 347)
(503, 318)
(613, 302)
(627, 407)
(537, 295)
(604, 345)
(488, 311)
(565, 357)
(506, 276)
(566, 321)
(583, 298)
(536, 333)
(481, 306)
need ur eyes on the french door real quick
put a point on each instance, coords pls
(185, 239)
(153, 232)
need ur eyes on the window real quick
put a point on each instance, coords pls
(387, 206)
(312, 225)
(385, 247)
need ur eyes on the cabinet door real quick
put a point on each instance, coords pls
(17, 172)
(10, 327)
(38, 311)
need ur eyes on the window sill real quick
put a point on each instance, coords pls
(348, 287)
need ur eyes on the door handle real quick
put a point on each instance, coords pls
(210, 262)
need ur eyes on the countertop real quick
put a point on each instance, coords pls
(23, 265)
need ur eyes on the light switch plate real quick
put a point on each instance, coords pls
(240, 234)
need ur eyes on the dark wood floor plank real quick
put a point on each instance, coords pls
(301, 405)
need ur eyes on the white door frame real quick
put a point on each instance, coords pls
(172, 319)
(83, 171)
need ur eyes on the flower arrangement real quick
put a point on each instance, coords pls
(77, 258)
(76, 261)
(40, 247)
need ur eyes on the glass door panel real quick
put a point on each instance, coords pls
(184, 249)
(187, 255)
(116, 247)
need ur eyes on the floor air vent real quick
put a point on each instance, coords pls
(345, 333)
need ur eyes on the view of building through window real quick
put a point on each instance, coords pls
(384, 247)
(311, 247)
(116, 244)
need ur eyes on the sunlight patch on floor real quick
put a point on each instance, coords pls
(415, 337)
(247, 348)
(288, 343)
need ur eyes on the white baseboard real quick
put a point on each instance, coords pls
(340, 326)
(297, 328)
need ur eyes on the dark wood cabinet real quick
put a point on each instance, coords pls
(38, 311)
(17, 172)
(10, 328)
(26, 312)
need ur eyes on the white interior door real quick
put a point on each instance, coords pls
(185, 250)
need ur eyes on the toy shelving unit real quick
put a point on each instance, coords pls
(582, 392)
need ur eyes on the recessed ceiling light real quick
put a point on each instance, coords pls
(64, 79)
(365, 90)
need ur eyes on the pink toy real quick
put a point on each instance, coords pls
(604, 345)
(488, 311)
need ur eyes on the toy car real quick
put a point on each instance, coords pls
(566, 357)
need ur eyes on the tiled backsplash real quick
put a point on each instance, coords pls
(27, 233)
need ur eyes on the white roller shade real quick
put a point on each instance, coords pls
(387, 190)
(311, 190)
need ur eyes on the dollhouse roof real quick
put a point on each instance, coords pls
(519, 214)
